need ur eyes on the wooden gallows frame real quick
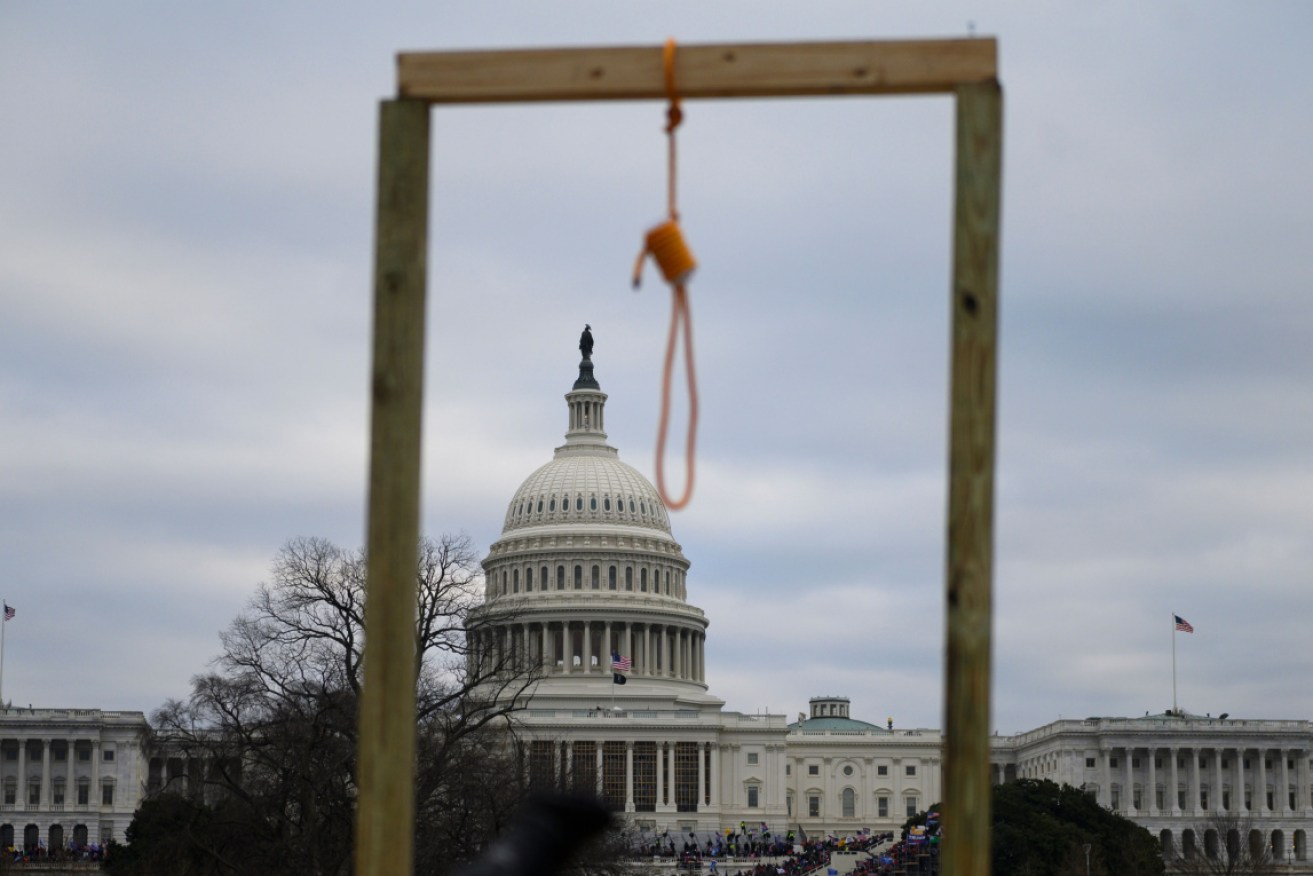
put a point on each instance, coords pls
(964, 68)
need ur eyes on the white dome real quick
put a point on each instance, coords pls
(586, 485)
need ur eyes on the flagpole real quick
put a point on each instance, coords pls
(3, 623)
(1174, 709)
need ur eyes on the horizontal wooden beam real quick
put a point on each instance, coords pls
(701, 71)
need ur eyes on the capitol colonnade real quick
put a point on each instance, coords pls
(570, 646)
(1195, 782)
(68, 775)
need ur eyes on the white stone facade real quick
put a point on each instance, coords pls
(1195, 783)
(587, 565)
(69, 775)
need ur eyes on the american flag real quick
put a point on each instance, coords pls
(1182, 624)
(9, 612)
(620, 664)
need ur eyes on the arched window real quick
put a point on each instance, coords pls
(578, 577)
(592, 503)
(560, 577)
(551, 506)
(596, 578)
(610, 578)
(540, 505)
(528, 580)
(579, 503)
(606, 503)
(515, 581)
(849, 803)
(629, 577)
(642, 580)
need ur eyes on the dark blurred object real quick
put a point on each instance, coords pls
(548, 830)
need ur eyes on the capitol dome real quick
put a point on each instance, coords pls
(587, 568)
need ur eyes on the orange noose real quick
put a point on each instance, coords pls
(666, 244)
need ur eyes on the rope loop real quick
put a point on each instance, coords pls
(666, 244)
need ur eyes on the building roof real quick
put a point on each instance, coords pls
(834, 723)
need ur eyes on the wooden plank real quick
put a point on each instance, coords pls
(385, 813)
(748, 70)
(969, 573)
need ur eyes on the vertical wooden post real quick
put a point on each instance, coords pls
(385, 806)
(968, 583)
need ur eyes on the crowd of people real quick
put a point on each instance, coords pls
(753, 852)
(40, 854)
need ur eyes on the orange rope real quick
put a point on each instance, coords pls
(667, 246)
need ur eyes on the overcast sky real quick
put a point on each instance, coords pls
(185, 256)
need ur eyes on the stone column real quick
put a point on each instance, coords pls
(1173, 805)
(1151, 804)
(702, 775)
(1105, 793)
(93, 796)
(1217, 781)
(557, 781)
(660, 775)
(1128, 802)
(715, 775)
(569, 765)
(588, 646)
(1285, 783)
(1194, 780)
(546, 651)
(1262, 782)
(598, 746)
(606, 644)
(647, 649)
(1240, 778)
(629, 644)
(46, 798)
(21, 799)
(629, 775)
(670, 779)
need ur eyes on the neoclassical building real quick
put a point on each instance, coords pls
(1197, 783)
(587, 565)
(69, 775)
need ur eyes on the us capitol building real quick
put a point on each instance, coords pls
(586, 567)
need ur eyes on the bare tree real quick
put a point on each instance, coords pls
(275, 722)
(1227, 844)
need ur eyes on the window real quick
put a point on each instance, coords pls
(11, 754)
(849, 801)
(578, 577)
(1135, 763)
(1269, 800)
(606, 503)
(814, 807)
(1136, 799)
(34, 793)
(882, 806)
(1203, 798)
(1158, 797)
(911, 806)
(84, 795)
(1157, 763)
(1249, 799)
(579, 503)
(610, 578)
(1112, 762)
(61, 754)
(528, 580)
(847, 770)
(788, 800)
(11, 794)
(882, 770)
(788, 769)
(752, 796)
(1116, 799)
(752, 758)
(1089, 763)
(592, 503)
(560, 577)
(642, 580)
(107, 795)
(911, 771)
(58, 798)
(813, 769)
(597, 578)
(1180, 799)
(629, 577)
